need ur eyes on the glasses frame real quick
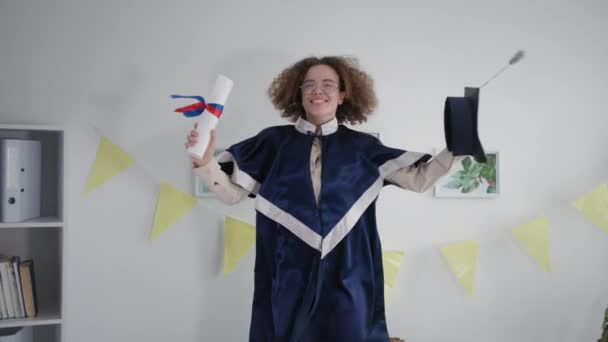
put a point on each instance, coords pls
(327, 87)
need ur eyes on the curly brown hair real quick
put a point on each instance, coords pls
(359, 102)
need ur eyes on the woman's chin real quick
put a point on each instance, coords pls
(320, 115)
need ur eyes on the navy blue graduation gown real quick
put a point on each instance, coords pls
(318, 268)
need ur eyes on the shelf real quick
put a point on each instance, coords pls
(40, 222)
(41, 319)
(30, 127)
(40, 239)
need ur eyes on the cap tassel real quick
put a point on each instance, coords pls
(518, 56)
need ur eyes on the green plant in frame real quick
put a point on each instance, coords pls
(604, 337)
(473, 174)
(488, 172)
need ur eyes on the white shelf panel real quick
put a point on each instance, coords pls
(40, 222)
(41, 319)
(18, 127)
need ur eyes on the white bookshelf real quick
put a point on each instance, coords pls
(40, 239)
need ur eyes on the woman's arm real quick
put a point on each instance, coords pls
(219, 182)
(420, 178)
(208, 169)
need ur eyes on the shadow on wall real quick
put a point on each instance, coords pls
(125, 100)
(116, 93)
(248, 109)
(252, 71)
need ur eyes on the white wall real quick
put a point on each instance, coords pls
(111, 65)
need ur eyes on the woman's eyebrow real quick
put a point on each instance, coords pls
(324, 80)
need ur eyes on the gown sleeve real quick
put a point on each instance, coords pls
(421, 176)
(219, 183)
(247, 163)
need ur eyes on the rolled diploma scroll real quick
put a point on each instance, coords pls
(221, 90)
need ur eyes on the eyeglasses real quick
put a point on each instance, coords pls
(328, 87)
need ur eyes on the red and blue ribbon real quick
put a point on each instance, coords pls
(197, 109)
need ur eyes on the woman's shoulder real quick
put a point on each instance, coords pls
(360, 136)
(276, 132)
(272, 135)
(278, 129)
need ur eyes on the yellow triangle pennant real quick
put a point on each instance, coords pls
(534, 237)
(594, 206)
(171, 205)
(462, 260)
(238, 239)
(391, 263)
(110, 161)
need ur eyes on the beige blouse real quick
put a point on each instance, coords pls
(416, 178)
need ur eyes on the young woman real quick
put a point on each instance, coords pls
(318, 269)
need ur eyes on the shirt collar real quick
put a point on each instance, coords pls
(306, 127)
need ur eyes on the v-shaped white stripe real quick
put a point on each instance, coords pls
(343, 227)
(312, 238)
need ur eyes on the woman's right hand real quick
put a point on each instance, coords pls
(208, 155)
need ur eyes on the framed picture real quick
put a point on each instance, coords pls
(200, 188)
(470, 179)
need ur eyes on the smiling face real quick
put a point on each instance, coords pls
(321, 94)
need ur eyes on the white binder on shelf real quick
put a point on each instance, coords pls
(20, 177)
